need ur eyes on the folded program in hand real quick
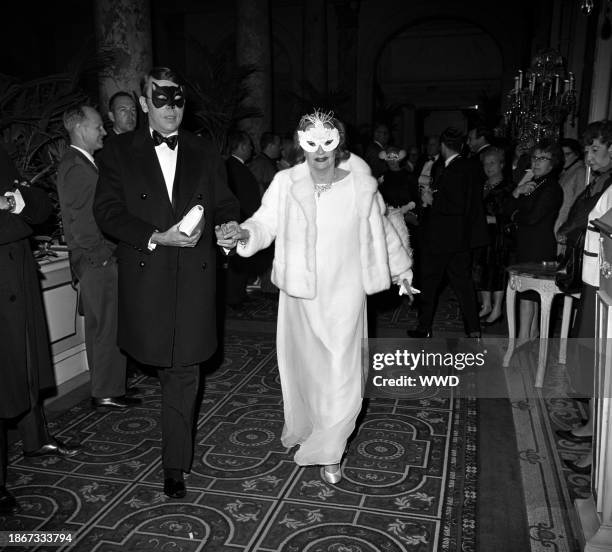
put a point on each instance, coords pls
(191, 220)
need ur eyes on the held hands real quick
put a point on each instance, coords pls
(229, 234)
(173, 238)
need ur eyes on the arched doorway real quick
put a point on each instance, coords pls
(433, 74)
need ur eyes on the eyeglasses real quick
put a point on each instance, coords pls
(535, 159)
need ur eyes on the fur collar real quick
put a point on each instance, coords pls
(301, 190)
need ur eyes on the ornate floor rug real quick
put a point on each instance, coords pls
(390, 311)
(409, 475)
(550, 487)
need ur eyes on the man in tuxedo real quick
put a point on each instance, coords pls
(122, 113)
(245, 187)
(479, 139)
(380, 140)
(92, 258)
(25, 363)
(446, 238)
(149, 180)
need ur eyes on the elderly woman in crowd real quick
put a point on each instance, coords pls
(493, 259)
(534, 205)
(333, 246)
(592, 203)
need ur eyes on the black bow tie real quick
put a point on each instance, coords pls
(170, 141)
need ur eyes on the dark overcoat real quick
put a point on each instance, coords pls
(22, 318)
(166, 296)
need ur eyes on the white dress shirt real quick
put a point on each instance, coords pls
(449, 159)
(167, 161)
(85, 153)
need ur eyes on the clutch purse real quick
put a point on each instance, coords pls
(191, 220)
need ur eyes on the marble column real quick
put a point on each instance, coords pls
(253, 48)
(315, 47)
(123, 31)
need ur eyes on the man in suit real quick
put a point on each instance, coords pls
(149, 179)
(122, 113)
(25, 363)
(245, 187)
(380, 140)
(479, 139)
(91, 258)
(446, 238)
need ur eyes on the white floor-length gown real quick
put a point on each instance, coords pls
(319, 340)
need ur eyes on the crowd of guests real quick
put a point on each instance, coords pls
(305, 217)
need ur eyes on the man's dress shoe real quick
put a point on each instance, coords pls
(174, 488)
(569, 436)
(133, 391)
(583, 470)
(8, 504)
(53, 448)
(419, 334)
(119, 403)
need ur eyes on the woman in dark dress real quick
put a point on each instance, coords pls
(493, 259)
(534, 205)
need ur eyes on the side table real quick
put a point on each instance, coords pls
(539, 277)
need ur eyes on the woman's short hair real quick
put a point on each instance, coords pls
(553, 149)
(599, 130)
(341, 150)
(493, 151)
(572, 144)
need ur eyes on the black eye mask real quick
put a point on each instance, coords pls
(167, 95)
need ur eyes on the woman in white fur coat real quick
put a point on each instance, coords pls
(333, 246)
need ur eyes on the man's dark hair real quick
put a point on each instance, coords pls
(483, 132)
(452, 138)
(236, 139)
(572, 144)
(599, 130)
(160, 73)
(119, 95)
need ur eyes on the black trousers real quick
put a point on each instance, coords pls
(458, 267)
(32, 425)
(179, 387)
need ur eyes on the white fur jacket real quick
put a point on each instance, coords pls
(288, 212)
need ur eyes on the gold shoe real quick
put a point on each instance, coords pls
(332, 473)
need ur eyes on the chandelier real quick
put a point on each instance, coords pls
(542, 99)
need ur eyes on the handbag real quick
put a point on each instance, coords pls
(569, 274)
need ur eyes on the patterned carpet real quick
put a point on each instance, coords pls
(410, 475)
(389, 310)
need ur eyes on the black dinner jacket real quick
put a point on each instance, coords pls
(447, 222)
(166, 296)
